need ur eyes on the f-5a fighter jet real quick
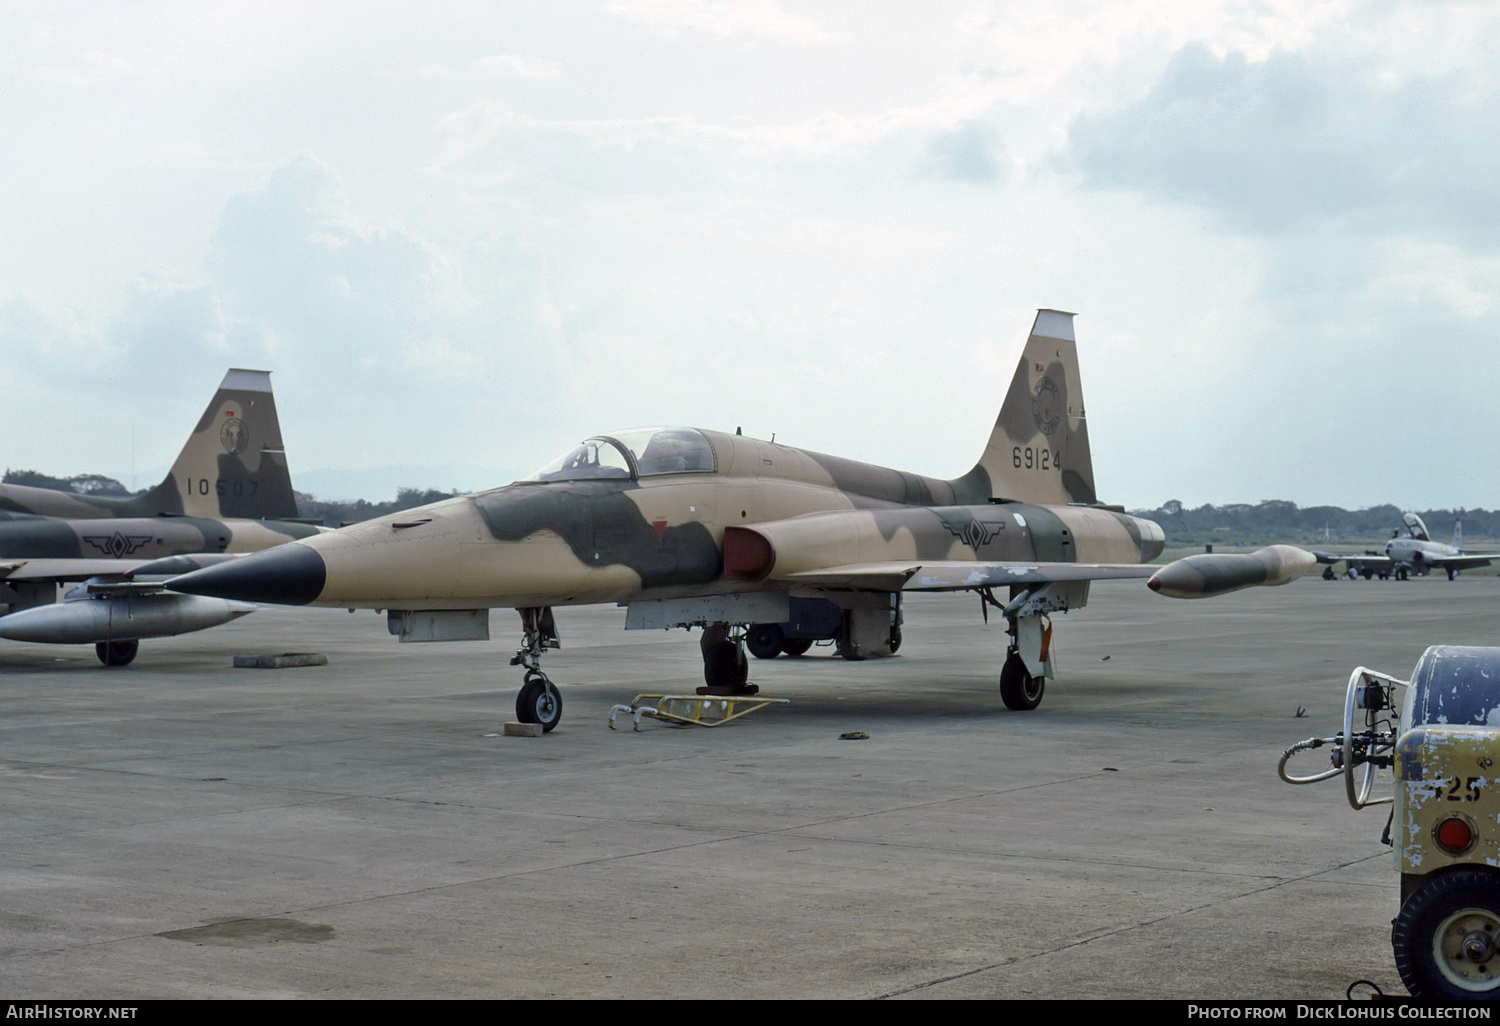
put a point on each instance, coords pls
(228, 492)
(687, 527)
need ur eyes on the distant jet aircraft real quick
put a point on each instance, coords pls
(1416, 553)
(687, 527)
(229, 492)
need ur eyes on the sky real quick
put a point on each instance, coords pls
(464, 235)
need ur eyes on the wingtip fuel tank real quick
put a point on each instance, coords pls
(1209, 574)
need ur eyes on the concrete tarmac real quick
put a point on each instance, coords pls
(183, 829)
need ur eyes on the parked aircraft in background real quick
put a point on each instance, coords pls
(687, 527)
(229, 492)
(1415, 553)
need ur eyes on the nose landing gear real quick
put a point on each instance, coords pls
(539, 700)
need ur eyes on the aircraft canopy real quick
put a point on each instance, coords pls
(639, 452)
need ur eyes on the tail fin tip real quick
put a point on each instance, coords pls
(1056, 324)
(1038, 451)
(243, 380)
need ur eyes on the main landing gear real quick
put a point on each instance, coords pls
(1019, 690)
(1028, 651)
(726, 671)
(539, 700)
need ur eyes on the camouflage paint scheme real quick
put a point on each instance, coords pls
(689, 527)
(1209, 574)
(646, 536)
(140, 538)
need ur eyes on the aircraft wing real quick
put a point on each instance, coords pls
(958, 575)
(65, 569)
(76, 569)
(1467, 561)
(1374, 562)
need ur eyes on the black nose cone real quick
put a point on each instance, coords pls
(288, 575)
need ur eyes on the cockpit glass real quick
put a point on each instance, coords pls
(651, 452)
(592, 459)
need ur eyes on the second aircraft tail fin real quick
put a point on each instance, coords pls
(234, 462)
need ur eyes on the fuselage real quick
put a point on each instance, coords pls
(136, 538)
(1416, 553)
(645, 517)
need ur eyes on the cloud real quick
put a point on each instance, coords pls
(1292, 142)
(511, 66)
(967, 153)
(720, 19)
(93, 67)
(342, 307)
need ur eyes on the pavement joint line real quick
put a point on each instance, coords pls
(1103, 934)
(989, 853)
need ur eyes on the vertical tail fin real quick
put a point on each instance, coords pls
(234, 463)
(1458, 532)
(1039, 449)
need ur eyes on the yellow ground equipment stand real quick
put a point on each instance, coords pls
(692, 710)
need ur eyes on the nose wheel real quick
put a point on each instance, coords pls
(539, 701)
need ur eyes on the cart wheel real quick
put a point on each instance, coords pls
(1446, 938)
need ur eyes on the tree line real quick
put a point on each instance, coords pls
(1274, 520)
(329, 512)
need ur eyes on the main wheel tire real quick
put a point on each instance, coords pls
(796, 646)
(539, 702)
(725, 665)
(1452, 573)
(1446, 938)
(765, 640)
(116, 653)
(848, 651)
(1018, 689)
